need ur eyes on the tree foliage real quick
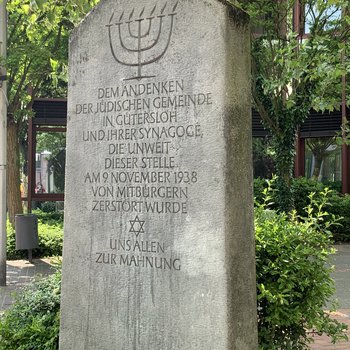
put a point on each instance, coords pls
(37, 55)
(293, 275)
(32, 323)
(293, 73)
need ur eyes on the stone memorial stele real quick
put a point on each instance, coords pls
(158, 233)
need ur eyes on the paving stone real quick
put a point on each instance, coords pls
(19, 274)
(341, 276)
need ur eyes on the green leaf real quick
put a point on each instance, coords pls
(26, 9)
(40, 4)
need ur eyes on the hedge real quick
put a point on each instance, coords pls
(50, 232)
(293, 287)
(32, 322)
(338, 204)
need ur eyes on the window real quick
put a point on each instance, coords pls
(322, 159)
(50, 162)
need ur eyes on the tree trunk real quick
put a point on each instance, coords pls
(285, 153)
(318, 164)
(14, 203)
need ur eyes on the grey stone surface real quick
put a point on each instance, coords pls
(158, 243)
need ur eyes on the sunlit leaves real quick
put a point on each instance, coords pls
(293, 274)
(38, 47)
(293, 72)
(287, 63)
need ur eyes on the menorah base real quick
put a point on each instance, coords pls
(139, 77)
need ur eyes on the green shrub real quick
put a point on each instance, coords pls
(48, 207)
(50, 241)
(293, 276)
(32, 322)
(333, 185)
(259, 186)
(12, 253)
(301, 188)
(340, 206)
(293, 285)
(51, 218)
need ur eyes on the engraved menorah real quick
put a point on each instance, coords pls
(140, 38)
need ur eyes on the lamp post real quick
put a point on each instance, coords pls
(3, 143)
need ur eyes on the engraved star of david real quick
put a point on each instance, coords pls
(136, 226)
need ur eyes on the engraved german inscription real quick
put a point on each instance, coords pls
(141, 127)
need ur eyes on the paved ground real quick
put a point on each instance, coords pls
(341, 277)
(21, 272)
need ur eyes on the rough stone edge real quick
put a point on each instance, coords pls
(84, 21)
(235, 15)
(238, 339)
(238, 14)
